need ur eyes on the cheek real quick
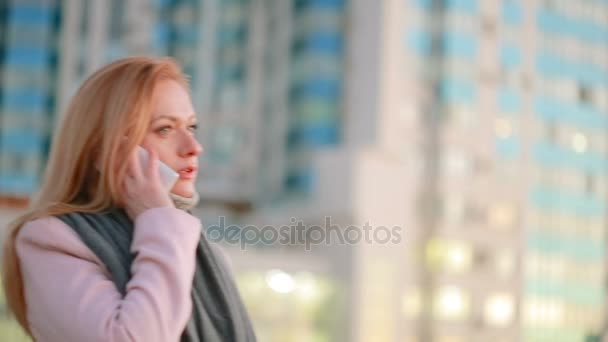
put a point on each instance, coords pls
(163, 148)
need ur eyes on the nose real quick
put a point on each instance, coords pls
(190, 147)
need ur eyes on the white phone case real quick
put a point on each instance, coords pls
(167, 175)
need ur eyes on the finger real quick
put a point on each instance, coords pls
(126, 194)
(135, 167)
(128, 184)
(152, 167)
(130, 166)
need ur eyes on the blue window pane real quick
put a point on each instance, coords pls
(469, 6)
(328, 89)
(30, 15)
(301, 180)
(460, 44)
(21, 141)
(18, 184)
(24, 99)
(507, 148)
(420, 42)
(424, 4)
(27, 56)
(323, 42)
(551, 22)
(553, 156)
(328, 4)
(580, 115)
(455, 90)
(510, 55)
(551, 199)
(317, 134)
(508, 100)
(511, 12)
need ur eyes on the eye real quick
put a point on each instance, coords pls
(163, 130)
(193, 127)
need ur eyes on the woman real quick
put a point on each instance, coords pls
(105, 253)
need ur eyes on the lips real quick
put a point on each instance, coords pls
(187, 172)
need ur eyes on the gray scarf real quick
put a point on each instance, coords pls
(184, 203)
(218, 314)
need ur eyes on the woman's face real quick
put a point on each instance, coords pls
(172, 134)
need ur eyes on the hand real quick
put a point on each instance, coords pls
(143, 187)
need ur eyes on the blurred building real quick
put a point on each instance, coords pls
(28, 35)
(511, 98)
(493, 114)
(479, 128)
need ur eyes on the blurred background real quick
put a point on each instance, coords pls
(480, 128)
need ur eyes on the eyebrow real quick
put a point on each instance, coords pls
(173, 118)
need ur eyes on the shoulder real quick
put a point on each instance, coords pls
(50, 234)
(46, 229)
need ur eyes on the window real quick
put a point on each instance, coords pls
(449, 255)
(502, 215)
(451, 303)
(579, 142)
(499, 309)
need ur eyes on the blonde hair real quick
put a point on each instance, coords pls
(87, 162)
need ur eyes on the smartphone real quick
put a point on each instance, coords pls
(167, 175)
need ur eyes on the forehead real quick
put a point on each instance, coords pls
(170, 98)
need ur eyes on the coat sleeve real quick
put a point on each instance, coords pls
(70, 296)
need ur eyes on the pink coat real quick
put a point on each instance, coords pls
(70, 296)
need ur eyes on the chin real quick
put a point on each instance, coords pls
(184, 190)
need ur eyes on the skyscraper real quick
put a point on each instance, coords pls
(495, 111)
(28, 67)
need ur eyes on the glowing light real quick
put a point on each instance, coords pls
(280, 281)
(499, 309)
(451, 303)
(579, 143)
(458, 257)
(448, 255)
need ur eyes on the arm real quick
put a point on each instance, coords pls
(70, 296)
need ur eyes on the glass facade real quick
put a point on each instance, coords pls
(28, 69)
(548, 120)
(318, 53)
(565, 242)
